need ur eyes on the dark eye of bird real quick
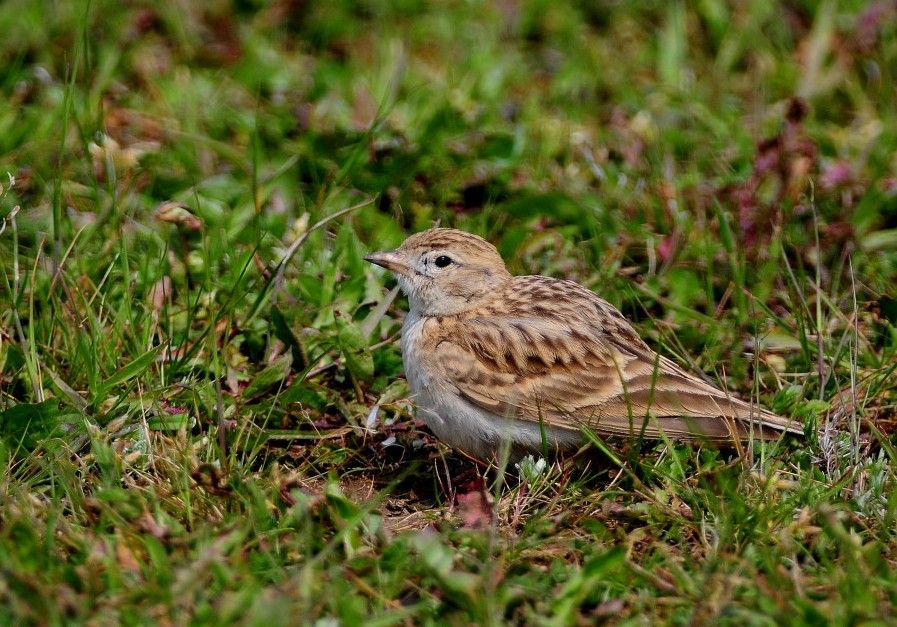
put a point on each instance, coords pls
(442, 261)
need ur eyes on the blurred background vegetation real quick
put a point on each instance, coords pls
(725, 173)
(584, 138)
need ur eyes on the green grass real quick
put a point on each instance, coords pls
(202, 415)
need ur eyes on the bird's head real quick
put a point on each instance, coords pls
(445, 271)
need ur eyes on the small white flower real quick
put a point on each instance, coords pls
(530, 468)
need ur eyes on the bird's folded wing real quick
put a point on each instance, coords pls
(542, 369)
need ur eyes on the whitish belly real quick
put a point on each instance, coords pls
(457, 422)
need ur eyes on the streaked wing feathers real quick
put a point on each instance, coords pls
(576, 361)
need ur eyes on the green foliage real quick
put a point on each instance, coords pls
(202, 418)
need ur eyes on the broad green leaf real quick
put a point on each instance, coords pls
(394, 391)
(29, 424)
(307, 394)
(284, 333)
(75, 398)
(126, 373)
(271, 375)
(29, 412)
(354, 348)
(170, 422)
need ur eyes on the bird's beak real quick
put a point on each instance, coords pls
(390, 260)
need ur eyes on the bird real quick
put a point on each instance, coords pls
(495, 360)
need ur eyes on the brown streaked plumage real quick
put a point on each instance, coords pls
(492, 357)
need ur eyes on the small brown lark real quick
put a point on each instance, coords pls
(494, 358)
